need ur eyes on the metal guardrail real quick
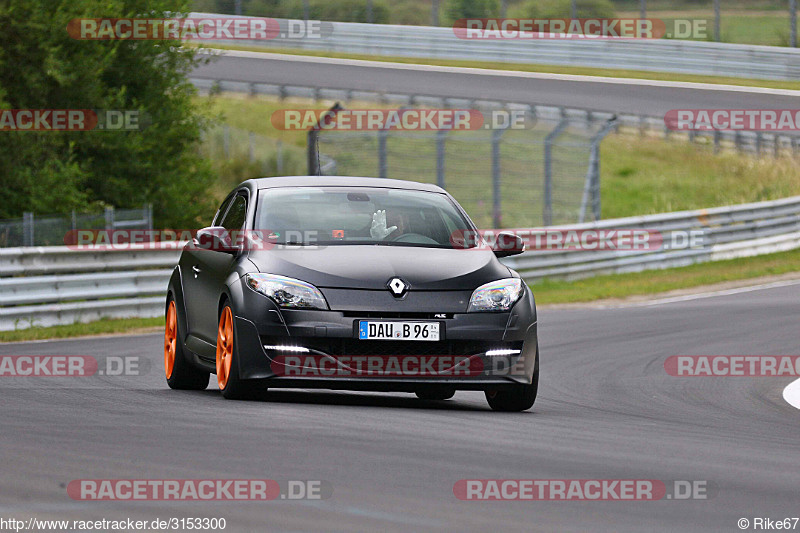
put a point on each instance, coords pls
(63, 285)
(662, 55)
(44, 286)
(727, 232)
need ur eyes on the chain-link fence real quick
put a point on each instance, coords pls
(547, 173)
(51, 230)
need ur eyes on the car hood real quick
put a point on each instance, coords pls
(371, 267)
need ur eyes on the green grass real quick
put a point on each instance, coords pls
(527, 67)
(647, 176)
(658, 281)
(100, 327)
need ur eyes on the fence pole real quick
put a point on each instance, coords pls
(109, 216)
(311, 153)
(548, 171)
(591, 187)
(382, 136)
(441, 137)
(27, 228)
(793, 17)
(497, 212)
(435, 13)
(717, 35)
(279, 158)
(643, 9)
(149, 215)
(250, 148)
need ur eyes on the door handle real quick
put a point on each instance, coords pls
(196, 270)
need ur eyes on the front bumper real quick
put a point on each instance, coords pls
(337, 359)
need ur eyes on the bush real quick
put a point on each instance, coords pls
(545, 9)
(339, 11)
(461, 9)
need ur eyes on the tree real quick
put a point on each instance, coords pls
(42, 67)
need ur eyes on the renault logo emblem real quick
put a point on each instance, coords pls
(398, 287)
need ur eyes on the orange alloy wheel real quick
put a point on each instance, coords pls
(170, 339)
(224, 347)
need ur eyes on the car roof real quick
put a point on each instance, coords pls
(340, 181)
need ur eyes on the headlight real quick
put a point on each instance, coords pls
(498, 295)
(287, 292)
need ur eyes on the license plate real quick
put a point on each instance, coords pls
(398, 331)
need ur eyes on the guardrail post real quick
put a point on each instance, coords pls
(547, 209)
(27, 228)
(793, 17)
(279, 158)
(149, 215)
(717, 139)
(382, 136)
(109, 216)
(441, 138)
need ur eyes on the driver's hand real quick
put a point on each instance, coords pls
(378, 229)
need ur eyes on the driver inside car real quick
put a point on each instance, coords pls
(378, 229)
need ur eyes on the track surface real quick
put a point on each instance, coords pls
(606, 409)
(618, 96)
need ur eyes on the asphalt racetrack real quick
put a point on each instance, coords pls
(606, 410)
(637, 97)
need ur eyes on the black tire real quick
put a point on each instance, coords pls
(519, 398)
(444, 393)
(184, 375)
(235, 388)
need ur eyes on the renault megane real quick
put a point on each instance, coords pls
(355, 284)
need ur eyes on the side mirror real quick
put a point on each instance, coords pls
(507, 244)
(214, 238)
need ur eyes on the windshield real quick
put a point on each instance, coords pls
(358, 215)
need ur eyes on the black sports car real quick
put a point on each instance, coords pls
(350, 283)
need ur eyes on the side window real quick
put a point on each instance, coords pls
(235, 218)
(218, 217)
